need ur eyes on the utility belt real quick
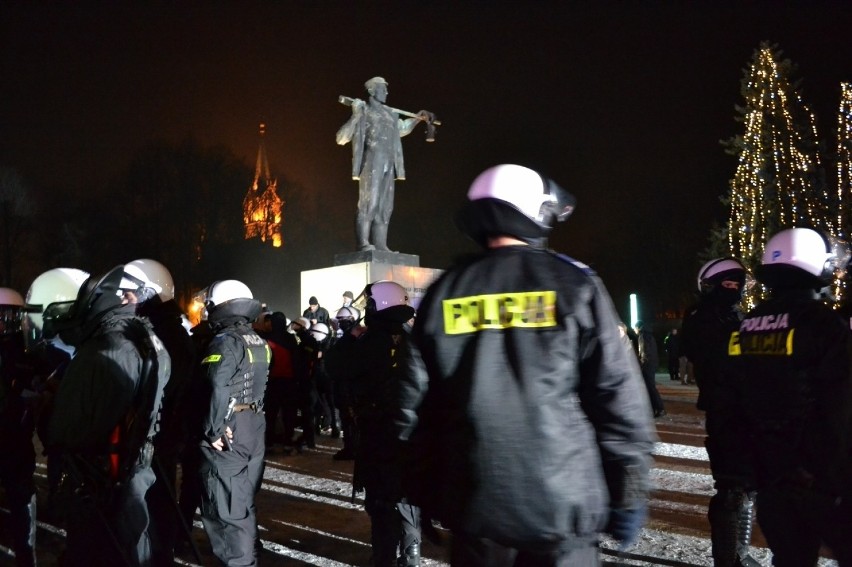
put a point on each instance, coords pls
(256, 407)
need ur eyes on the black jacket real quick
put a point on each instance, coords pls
(100, 383)
(705, 333)
(235, 364)
(527, 416)
(792, 364)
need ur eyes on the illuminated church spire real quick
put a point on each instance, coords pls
(263, 211)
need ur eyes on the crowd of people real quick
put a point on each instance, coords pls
(511, 407)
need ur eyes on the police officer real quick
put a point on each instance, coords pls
(706, 330)
(235, 367)
(793, 381)
(105, 417)
(149, 285)
(395, 523)
(535, 431)
(340, 362)
(50, 356)
(17, 459)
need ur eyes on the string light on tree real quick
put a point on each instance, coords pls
(779, 181)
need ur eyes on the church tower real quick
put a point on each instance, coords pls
(263, 211)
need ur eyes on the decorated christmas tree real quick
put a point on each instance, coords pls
(779, 180)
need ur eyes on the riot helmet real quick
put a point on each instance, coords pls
(98, 296)
(514, 200)
(50, 297)
(386, 301)
(11, 310)
(347, 317)
(802, 258)
(319, 332)
(230, 298)
(147, 279)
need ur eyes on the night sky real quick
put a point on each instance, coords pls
(623, 103)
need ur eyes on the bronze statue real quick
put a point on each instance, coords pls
(375, 131)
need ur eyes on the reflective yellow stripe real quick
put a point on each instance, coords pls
(526, 309)
(212, 358)
(790, 342)
(251, 356)
(268, 355)
(734, 344)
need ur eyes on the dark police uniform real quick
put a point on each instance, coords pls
(97, 394)
(17, 459)
(706, 332)
(171, 438)
(535, 422)
(791, 363)
(375, 399)
(235, 365)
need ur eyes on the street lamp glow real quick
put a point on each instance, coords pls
(634, 310)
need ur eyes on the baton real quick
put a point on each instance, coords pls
(226, 443)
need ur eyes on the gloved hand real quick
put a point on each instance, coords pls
(624, 524)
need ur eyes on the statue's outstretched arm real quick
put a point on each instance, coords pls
(406, 125)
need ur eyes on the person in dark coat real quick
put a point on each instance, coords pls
(395, 523)
(791, 394)
(525, 419)
(17, 424)
(649, 361)
(104, 418)
(671, 344)
(149, 285)
(706, 332)
(235, 366)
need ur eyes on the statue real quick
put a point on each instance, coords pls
(375, 131)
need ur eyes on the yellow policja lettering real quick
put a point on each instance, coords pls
(529, 309)
(734, 344)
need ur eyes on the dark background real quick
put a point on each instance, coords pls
(623, 103)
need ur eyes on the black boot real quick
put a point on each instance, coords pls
(410, 557)
(722, 513)
(24, 533)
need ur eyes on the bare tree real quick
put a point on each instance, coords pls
(16, 209)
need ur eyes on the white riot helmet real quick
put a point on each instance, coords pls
(230, 298)
(319, 331)
(226, 290)
(52, 295)
(154, 277)
(514, 200)
(348, 313)
(386, 301)
(718, 270)
(802, 257)
(11, 309)
(384, 294)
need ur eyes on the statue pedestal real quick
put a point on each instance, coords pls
(353, 271)
(379, 256)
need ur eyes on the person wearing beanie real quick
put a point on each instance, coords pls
(315, 313)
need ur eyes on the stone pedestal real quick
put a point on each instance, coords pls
(354, 270)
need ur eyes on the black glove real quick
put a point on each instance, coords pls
(624, 524)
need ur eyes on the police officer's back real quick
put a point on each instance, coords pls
(535, 431)
(793, 377)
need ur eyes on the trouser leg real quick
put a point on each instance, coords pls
(410, 536)
(362, 234)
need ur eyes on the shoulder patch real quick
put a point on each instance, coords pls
(211, 359)
(578, 264)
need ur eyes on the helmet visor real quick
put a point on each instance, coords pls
(559, 202)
